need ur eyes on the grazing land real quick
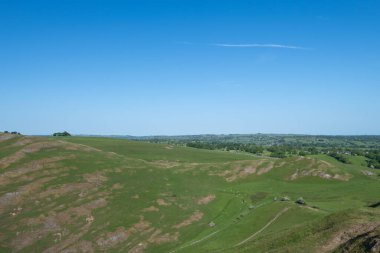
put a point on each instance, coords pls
(93, 194)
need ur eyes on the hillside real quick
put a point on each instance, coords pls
(89, 194)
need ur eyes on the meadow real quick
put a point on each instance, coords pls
(93, 194)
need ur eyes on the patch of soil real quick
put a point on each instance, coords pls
(258, 167)
(158, 238)
(142, 226)
(14, 198)
(111, 239)
(326, 163)
(80, 247)
(319, 173)
(140, 229)
(54, 222)
(265, 169)
(139, 248)
(205, 200)
(165, 164)
(64, 189)
(20, 173)
(38, 146)
(151, 209)
(31, 148)
(24, 239)
(95, 178)
(196, 216)
(69, 241)
(162, 202)
(117, 186)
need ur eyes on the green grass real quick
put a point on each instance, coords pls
(132, 180)
(152, 151)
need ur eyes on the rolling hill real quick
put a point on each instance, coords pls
(91, 194)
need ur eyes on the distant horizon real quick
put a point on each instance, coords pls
(200, 134)
(163, 67)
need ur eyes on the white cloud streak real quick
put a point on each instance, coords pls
(259, 45)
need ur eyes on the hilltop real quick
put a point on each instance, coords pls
(92, 194)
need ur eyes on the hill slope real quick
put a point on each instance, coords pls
(97, 194)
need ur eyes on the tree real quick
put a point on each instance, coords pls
(62, 134)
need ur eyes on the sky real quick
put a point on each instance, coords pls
(140, 67)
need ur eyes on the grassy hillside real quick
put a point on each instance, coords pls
(152, 152)
(85, 194)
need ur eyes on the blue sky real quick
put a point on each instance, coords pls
(143, 67)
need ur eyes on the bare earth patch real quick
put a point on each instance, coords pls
(205, 200)
(242, 170)
(34, 166)
(31, 148)
(53, 222)
(139, 248)
(14, 198)
(165, 164)
(95, 178)
(319, 173)
(80, 247)
(151, 209)
(158, 238)
(64, 189)
(117, 186)
(196, 216)
(316, 168)
(70, 243)
(111, 239)
(265, 169)
(162, 202)
(139, 230)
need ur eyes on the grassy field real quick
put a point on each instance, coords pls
(87, 194)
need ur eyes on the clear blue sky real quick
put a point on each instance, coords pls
(189, 67)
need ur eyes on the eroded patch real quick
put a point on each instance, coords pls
(165, 164)
(162, 202)
(139, 230)
(95, 178)
(111, 239)
(54, 222)
(205, 200)
(241, 170)
(299, 173)
(151, 209)
(14, 198)
(196, 216)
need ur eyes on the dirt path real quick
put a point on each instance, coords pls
(197, 241)
(213, 233)
(263, 228)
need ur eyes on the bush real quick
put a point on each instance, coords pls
(62, 134)
(340, 157)
(300, 201)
